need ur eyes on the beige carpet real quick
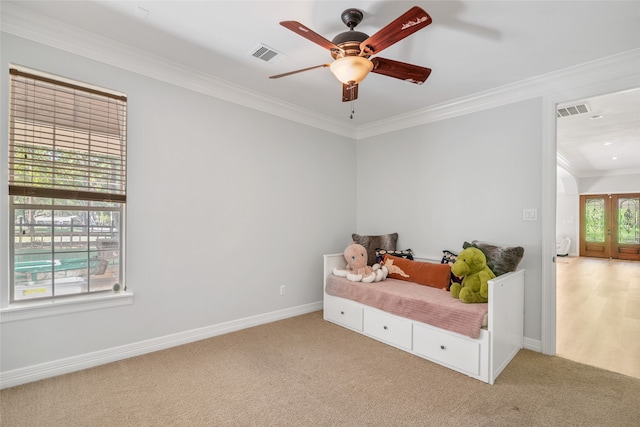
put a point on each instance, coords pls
(304, 371)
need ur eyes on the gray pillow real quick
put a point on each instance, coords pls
(500, 259)
(371, 243)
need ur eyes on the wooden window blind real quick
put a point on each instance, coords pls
(66, 140)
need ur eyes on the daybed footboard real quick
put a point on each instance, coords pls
(482, 358)
(506, 319)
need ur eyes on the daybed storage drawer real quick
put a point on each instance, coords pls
(457, 351)
(344, 312)
(389, 328)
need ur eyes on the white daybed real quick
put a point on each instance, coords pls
(482, 358)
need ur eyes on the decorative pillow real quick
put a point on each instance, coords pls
(423, 273)
(370, 243)
(500, 259)
(380, 253)
(450, 258)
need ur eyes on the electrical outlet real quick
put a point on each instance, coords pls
(530, 214)
(283, 290)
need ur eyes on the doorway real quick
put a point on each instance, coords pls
(585, 327)
(610, 226)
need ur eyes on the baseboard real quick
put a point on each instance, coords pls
(89, 360)
(533, 345)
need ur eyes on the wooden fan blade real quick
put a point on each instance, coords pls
(309, 34)
(277, 76)
(408, 23)
(349, 92)
(400, 70)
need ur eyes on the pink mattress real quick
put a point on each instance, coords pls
(425, 304)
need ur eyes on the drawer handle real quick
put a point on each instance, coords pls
(342, 312)
(443, 347)
(385, 328)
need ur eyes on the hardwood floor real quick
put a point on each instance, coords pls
(598, 313)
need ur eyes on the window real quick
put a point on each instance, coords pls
(67, 187)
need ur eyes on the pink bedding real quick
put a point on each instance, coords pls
(425, 304)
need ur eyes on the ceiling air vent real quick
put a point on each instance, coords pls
(573, 110)
(266, 53)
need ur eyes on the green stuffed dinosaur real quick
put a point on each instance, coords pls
(472, 266)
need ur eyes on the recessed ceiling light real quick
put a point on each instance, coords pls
(614, 158)
(599, 116)
(607, 143)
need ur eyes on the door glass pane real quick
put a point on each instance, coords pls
(628, 220)
(594, 220)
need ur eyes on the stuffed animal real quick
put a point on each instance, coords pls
(357, 269)
(472, 266)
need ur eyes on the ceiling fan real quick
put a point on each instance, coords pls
(352, 50)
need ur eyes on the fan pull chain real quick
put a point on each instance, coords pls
(353, 110)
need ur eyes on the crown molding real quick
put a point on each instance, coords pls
(625, 65)
(22, 23)
(564, 164)
(41, 29)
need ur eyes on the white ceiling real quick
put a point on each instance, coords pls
(471, 46)
(603, 141)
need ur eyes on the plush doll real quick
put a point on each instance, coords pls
(472, 266)
(357, 269)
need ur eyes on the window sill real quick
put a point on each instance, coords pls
(33, 310)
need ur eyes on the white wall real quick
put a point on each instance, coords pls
(610, 184)
(568, 219)
(225, 205)
(568, 209)
(461, 179)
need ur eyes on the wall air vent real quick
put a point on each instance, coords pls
(573, 110)
(266, 53)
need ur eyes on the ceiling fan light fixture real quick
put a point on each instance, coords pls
(351, 68)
